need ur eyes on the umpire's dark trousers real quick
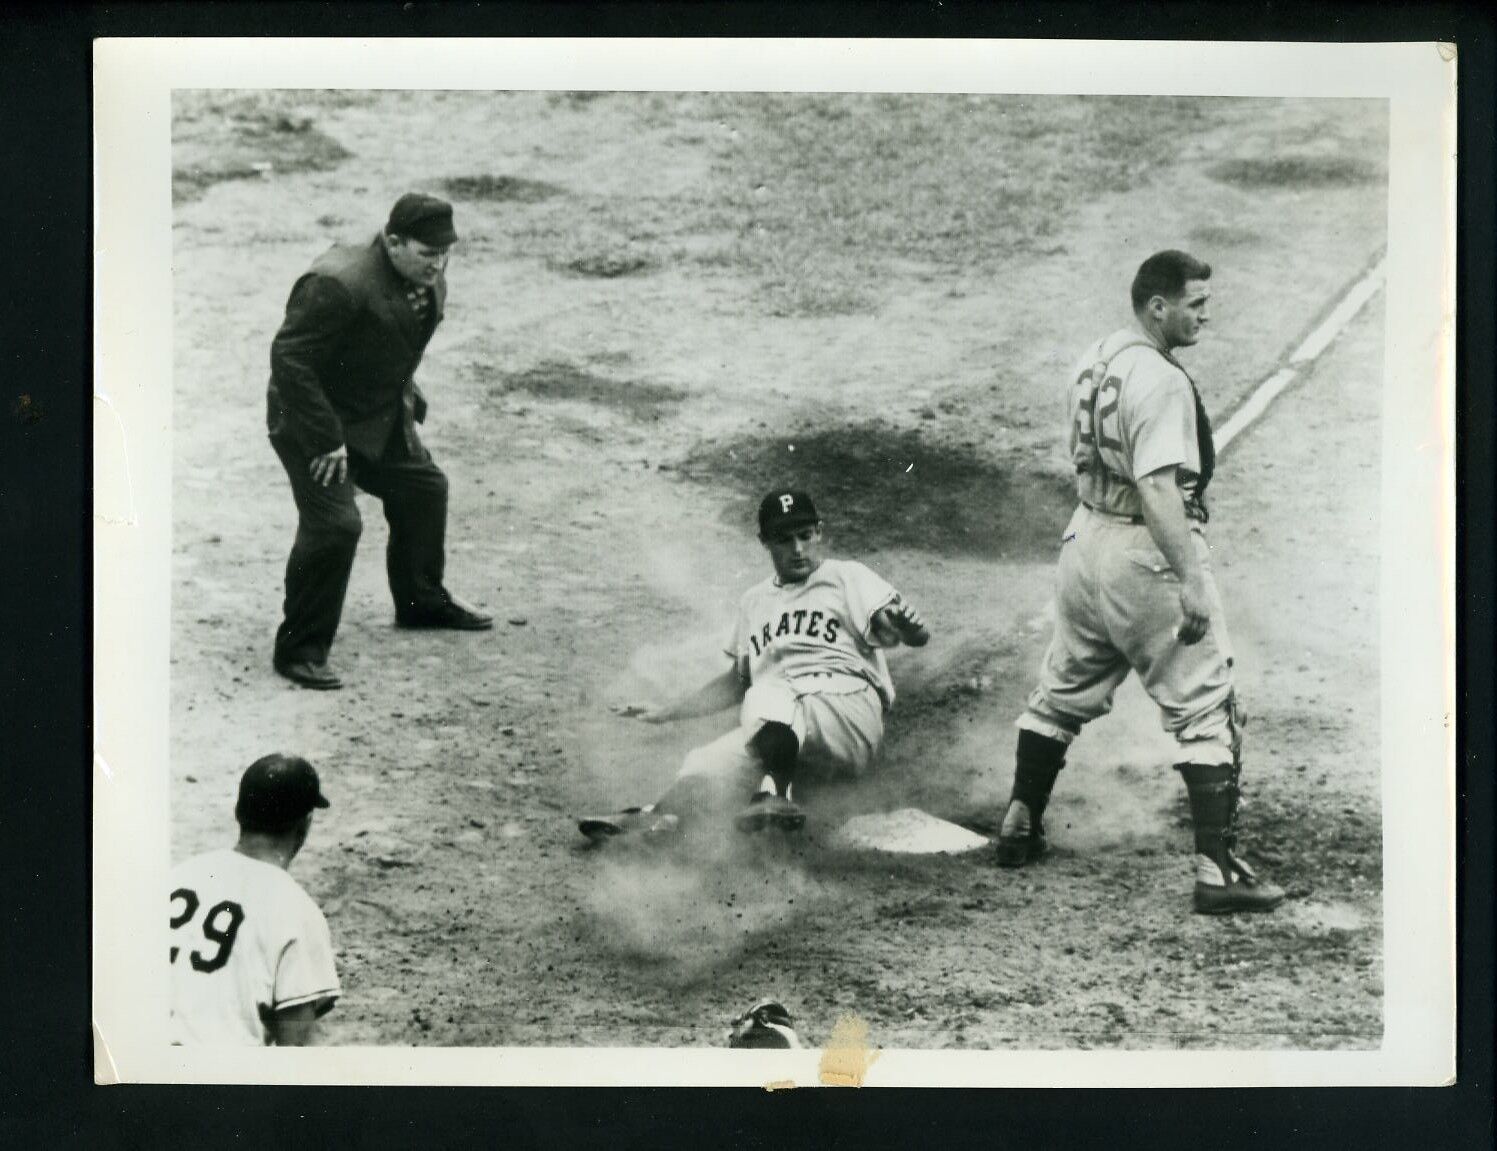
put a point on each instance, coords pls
(414, 494)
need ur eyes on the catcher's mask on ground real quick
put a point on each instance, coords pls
(766, 1025)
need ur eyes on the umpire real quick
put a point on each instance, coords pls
(343, 406)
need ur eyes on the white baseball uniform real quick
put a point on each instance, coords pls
(811, 660)
(1133, 410)
(247, 941)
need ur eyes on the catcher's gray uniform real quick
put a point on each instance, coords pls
(1133, 411)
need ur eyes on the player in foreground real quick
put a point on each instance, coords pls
(251, 957)
(342, 410)
(1134, 588)
(809, 672)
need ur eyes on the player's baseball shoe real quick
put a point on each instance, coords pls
(767, 810)
(640, 821)
(308, 673)
(451, 613)
(1021, 838)
(1242, 890)
(765, 1024)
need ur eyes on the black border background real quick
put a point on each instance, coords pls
(46, 1092)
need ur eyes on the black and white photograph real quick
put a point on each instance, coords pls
(831, 570)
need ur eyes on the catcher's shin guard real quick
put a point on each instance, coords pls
(1021, 839)
(1224, 883)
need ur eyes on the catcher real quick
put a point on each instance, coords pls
(1135, 591)
(809, 674)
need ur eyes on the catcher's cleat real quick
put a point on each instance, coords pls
(640, 821)
(1021, 839)
(768, 810)
(765, 1024)
(1242, 890)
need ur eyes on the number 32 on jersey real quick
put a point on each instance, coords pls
(1098, 409)
(219, 927)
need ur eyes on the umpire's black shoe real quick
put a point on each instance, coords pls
(1021, 839)
(452, 613)
(309, 673)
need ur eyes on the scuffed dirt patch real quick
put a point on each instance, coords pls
(1295, 172)
(557, 380)
(250, 140)
(499, 189)
(609, 264)
(1222, 236)
(880, 487)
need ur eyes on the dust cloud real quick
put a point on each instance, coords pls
(687, 911)
(693, 907)
(1118, 788)
(693, 581)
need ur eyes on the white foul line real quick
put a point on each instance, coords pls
(1318, 340)
(1255, 405)
(1315, 343)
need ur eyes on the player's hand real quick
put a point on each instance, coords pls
(330, 467)
(1195, 610)
(909, 623)
(642, 712)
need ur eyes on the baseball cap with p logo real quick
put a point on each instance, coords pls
(276, 791)
(782, 512)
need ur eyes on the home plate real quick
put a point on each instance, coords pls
(908, 831)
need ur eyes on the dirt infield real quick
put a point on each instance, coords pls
(660, 306)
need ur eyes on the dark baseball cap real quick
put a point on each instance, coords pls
(423, 218)
(782, 512)
(276, 791)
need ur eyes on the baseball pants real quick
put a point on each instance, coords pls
(839, 735)
(413, 492)
(1117, 607)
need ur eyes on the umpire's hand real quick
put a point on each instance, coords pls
(330, 467)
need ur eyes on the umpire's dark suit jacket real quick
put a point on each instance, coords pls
(342, 366)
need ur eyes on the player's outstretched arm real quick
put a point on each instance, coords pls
(1164, 514)
(900, 623)
(717, 694)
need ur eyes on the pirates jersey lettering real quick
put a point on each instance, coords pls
(816, 633)
(814, 629)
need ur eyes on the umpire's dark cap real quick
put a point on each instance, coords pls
(785, 511)
(423, 218)
(276, 791)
